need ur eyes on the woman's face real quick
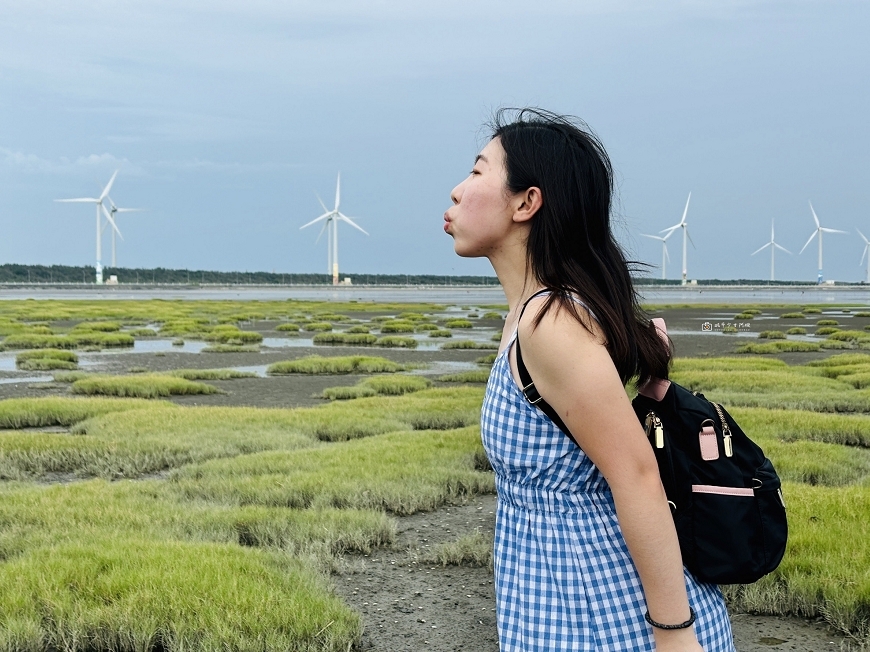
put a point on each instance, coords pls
(480, 217)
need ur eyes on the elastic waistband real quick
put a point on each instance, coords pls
(539, 499)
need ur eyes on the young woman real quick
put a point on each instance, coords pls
(586, 554)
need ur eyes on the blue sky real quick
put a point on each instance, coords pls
(225, 119)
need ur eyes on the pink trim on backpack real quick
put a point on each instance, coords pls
(722, 491)
(709, 447)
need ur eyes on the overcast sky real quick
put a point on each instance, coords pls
(225, 118)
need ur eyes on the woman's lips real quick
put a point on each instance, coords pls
(446, 223)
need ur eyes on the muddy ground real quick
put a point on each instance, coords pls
(407, 604)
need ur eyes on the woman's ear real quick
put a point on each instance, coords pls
(527, 204)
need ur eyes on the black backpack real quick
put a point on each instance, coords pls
(724, 494)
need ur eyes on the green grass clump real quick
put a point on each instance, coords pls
(862, 314)
(102, 326)
(469, 344)
(402, 473)
(837, 344)
(143, 386)
(422, 327)
(359, 329)
(60, 355)
(827, 322)
(211, 374)
(440, 332)
(288, 327)
(472, 549)
(850, 336)
(842, 360)
(397, 326)
(142, 332)
(797, 330)
(59, 411)
(317, 326)
(411, 316)
(475, 376)
(779, 347)
(352, 364)
(458, 323)
(487, 359)
(101, 339)
(395, 385)
(348, 393)
(227, 334)
(397, 342)
(791, 315)
(330, 316)
(771, 335)
(827, 330)
(812, 311)
(70, 376)
(34, 341)
(351, 339)
(492, 315)
(744, 315)
(231, 348)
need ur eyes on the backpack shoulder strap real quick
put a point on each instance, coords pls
(528, 386)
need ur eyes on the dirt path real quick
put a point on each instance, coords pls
(409, 605)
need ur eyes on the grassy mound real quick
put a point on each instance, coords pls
(352, 364)
(140, 386)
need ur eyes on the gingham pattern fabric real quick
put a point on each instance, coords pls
(564, 578)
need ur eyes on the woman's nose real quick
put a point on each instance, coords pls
(455, 194)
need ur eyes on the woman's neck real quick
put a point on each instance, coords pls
(516, 278)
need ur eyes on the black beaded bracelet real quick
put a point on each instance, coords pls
(684, 625)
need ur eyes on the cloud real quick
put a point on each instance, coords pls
(31, 163)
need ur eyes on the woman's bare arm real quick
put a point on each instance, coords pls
(574, 373)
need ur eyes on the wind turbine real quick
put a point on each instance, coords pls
(819, 230)
(773, 247)
(110, 217)
(665, 257)
(866, 247)
(686, 235)
(330, 225)
(99, 206)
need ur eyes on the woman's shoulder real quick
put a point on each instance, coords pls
(565, 321)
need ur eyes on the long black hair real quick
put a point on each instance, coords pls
(571, 248)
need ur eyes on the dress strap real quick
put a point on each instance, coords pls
(528, 386)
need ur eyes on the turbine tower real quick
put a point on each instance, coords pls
(99, 205)
(665, 257)
(110, 217)
(819, 231)
(866, 247)
(684, 226)
(330, 225)
(773, 247)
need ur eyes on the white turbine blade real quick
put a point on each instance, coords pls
(815, 217)
(690, 239)
(808, 242)
(87, 200)
(129, 210)
(665, 247)
(321, 203)
(781, 248)
(671, 229)
(325, 225)
(108, 186)
(821, 228)
(337, 192)
(686, 210)
(322, 217)
(866, 246)
(762, 248)
(866, 241)
(352, 223)
(654, 237)
(111, 221)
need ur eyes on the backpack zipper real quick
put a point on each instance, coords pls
(654, 427)
(726, 431)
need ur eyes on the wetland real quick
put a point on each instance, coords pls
(211, 474)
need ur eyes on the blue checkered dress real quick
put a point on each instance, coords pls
(564, 578)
